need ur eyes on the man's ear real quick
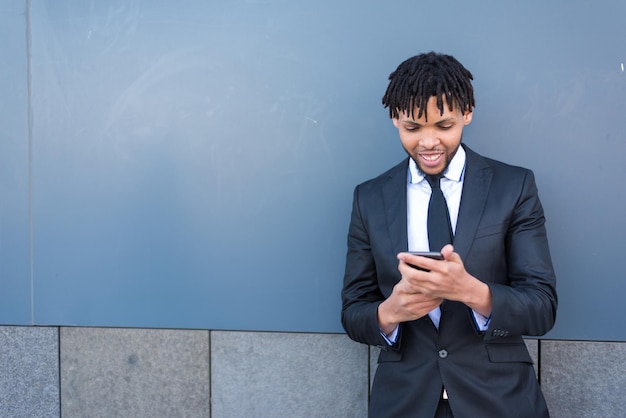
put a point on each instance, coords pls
(396, 122)
(467, 117)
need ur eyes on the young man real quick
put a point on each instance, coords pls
(450, 330)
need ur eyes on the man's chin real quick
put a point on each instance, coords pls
(431, 171)
(435, 170)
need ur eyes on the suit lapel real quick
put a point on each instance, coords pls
(394, 196)
(476, 184)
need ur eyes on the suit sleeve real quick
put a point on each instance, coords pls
(361, 294)
(526, 302)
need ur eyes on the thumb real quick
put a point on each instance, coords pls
(449, 254)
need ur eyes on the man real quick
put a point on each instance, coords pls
(450, 330)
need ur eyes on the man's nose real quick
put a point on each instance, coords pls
(429, 139)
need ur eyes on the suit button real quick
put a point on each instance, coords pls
(443, 353)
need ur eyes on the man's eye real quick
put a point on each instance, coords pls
(445, 127)
(411, 128)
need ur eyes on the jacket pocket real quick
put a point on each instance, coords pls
(504, 353)
(386, 356)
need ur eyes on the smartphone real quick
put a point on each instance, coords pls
(430, 254)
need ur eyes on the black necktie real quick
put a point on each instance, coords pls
(439, 228)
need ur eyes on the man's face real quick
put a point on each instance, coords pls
(432, 143)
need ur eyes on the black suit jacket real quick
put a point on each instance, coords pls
(501, 238)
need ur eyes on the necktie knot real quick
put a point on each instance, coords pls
(433, 181)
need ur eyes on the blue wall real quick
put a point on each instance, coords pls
(191, 165)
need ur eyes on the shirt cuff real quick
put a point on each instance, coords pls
(392, 338)
(481, 321)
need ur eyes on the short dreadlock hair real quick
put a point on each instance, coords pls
(423, 76)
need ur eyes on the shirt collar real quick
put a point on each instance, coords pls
(454, 172)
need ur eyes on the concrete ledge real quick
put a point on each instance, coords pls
(29, 372)
(103, 372)
(584, 379)
(256, 374)
(134, 373)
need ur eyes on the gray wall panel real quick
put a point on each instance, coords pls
(190, 162)
(15, 288)
(193, 165)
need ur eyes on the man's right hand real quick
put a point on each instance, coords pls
(404, 304)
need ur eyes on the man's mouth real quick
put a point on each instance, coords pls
(431, 158)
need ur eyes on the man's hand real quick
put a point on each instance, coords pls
(406, 303)
(446, 279)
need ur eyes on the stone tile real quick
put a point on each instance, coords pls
(257, 374)
(134, 373)
(29, 372)
(584, 379)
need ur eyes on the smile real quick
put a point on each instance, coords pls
(431, 157)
